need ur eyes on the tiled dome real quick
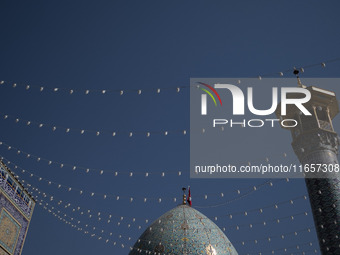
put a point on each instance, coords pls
(183, 230)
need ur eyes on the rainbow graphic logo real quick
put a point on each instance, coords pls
(204, 97)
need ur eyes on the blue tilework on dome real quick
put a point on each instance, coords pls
(183, 230)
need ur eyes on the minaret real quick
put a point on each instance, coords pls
(316, 142)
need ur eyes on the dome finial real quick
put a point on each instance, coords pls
(184, 196)
(189, 198)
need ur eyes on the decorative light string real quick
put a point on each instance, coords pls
(261, 210)
(87, 230)
(78, 227)
(306, 252)
(82, 131)
(215, 218)
(118, 197)
(241, 195)
(116, 173)
(277, 220)
(268, 239)
(89, 213)
(142, 91)
(75, 167)
(71, 91)
(245, 242)
(273, 220)
(247, 226)
(72, 220)
(273, 251)
(100, 214)
(285, 249)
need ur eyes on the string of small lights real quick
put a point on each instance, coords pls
(261, 209)
(118, 197)
(248, 226)
(83, 131)
(79, 191)
(87, 228)
(86, 212)
(142, 91)
(100, 215)
(117, 173)
(271, 238)
(75, 167)
(315, 251)
(267, 239)
(285, 249)
(269, 183)
(273, 251)
(76, 225)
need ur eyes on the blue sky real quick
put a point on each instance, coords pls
(131, 45)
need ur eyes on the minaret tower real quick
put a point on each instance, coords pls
(316, 142)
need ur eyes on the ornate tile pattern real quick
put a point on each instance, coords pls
(26, 205)
(7, 204)
(183, 230)
(3, 252)
(9, 231)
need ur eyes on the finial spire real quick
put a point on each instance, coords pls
(184, 196)
(296, 72)
(189, 197)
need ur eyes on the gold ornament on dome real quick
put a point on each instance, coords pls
(211, 250)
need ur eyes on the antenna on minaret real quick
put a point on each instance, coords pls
(184, 196)
(296, 72)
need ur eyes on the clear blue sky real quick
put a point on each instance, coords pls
(149, 44)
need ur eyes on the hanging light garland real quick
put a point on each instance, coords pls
(140, 91)
(277, 220)
(273, 251)
(261, 210)
(283, 236)
(87, 228)
(73, 167)
(285, 249)
(72, 91)
(116, 173)
(248, 226)
(268, 239)
(90, 213)
(178, 89)
(271, 238)
(115, 197)
(230, 215)
(241, 195)
(118, 197)
(82, 131)
(265, 223)
(76, 226)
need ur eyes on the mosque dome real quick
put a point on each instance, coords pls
(183, 230)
